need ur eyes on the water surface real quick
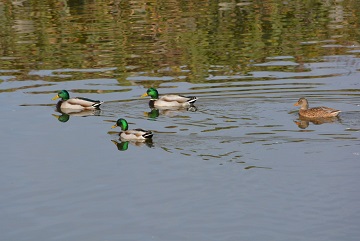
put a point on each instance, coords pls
(242, 166)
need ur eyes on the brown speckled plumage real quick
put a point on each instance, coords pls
(315, 112)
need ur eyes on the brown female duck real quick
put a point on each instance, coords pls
(315, 112)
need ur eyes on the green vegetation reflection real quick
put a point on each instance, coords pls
(184, 39)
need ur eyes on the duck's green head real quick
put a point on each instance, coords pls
(122, 123)
(63, 94)
(152, 92)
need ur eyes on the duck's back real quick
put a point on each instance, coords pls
(318, 112)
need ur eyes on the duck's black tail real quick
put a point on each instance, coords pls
(192, 99)
(148, 135)
(97, 104)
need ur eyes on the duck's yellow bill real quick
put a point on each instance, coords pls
(56, 97)
(296, 104)
(114, 126)
(144, 95)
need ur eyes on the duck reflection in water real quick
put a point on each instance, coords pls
(124, 145)
(66, 113)
(304, 122)
(156, 112)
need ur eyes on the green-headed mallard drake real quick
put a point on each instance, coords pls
(78, 103)
(315, 112)
(168, 100)
(136, 134)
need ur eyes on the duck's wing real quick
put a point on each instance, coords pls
(136, 134)
(328, 110)
(85, 102)
(323, 111)
(144, 133)
(178, 98)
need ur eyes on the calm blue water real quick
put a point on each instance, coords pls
(237, 168)
(240, 167)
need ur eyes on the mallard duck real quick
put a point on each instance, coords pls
(168, 100)
(315, 112)
(136, 134)
(78, 103)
